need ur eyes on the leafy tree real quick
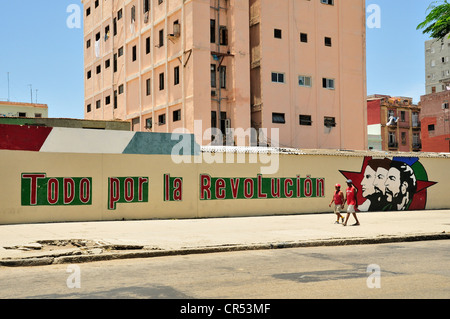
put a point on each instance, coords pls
(437, 22)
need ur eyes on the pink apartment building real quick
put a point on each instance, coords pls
(294, 65)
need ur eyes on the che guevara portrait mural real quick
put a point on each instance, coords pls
(386, 184)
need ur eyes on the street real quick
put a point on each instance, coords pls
(384, 271)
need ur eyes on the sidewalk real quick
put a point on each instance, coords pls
(55, 243)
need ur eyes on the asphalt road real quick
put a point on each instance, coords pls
(384, 271)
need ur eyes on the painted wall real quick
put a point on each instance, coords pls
(63, 174)
(57, 187)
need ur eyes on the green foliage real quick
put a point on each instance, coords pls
(437, 22)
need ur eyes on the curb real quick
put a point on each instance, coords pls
(77, 257)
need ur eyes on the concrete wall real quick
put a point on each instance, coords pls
(56, 187)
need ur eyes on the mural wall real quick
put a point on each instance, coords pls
(37, 185)
(391, 184)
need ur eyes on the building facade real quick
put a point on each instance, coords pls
(19, 109)
(435, 119)
(308, 75)
(393, 124)
(437, 65)
(294, 66)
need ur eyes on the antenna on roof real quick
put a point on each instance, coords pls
(8, 85)
(31, 92)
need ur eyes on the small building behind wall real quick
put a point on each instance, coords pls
(19, 109)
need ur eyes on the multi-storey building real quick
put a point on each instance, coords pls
(297, 66)
(19, 109)
(437, 65)
(435, 119)
(393, 124)
(308, 73)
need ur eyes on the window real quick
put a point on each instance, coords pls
(431, 128)
(121, 89)
(278, 118)
(445, 105)
(98, 104)
(212, 31)
(329, 121)
(107, 32)
(99, 69)
(223, 32)
(162, 119)
(148, 86)
(277, 77)
(327, 41)
(149, 123)
(161, 37)
(115, 99)
(161, 81)
(133, 14)
(88, 108)
(223, 76)
(213, 76)
(107, 63)
(119, 14)
(38, 115)
(89, 74)
(402, 116)
(277, 33)
(96, 3)
(147, 45)
(88, 44)
(88, 11)
(392, 140)
(146, 6)
(403, 138)
(120, 51)
(305, 120)
(160, 2)
(303, 37)
(328, 83)
(115, 26)
(134, 52)
(304, 81)
(176, 115)
(22, 114)
(107, 100)
(330, 2)
(115, 62)
(176, 75)
(391, 113)
(97, 36)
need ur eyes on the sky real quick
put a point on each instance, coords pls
(44, 56)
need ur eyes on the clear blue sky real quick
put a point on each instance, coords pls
(38, 48)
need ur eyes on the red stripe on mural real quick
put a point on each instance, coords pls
(23, 137)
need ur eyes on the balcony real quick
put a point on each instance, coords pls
(416, 125)
(393, 144)
(417, 146)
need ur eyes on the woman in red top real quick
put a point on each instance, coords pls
(338, 199)
(352, 202)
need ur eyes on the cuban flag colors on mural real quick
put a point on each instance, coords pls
(396, 184)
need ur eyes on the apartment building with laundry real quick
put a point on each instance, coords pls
(297, 66)
(393, 124)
